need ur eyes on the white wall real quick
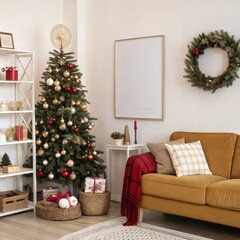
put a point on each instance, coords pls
(186, 108)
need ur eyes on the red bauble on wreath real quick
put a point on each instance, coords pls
(65, 173)
(195, 52)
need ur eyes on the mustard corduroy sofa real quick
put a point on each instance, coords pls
(214, 198)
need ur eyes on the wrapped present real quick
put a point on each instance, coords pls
(95, 185)
(11, 73)
(19, 133)
(50, 192)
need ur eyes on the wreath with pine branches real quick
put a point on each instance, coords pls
(217, 39)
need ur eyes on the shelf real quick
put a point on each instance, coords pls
(21, 172)
(16, 142)
(20, 111)
(15, 82)
(30, 207)
(13, 51)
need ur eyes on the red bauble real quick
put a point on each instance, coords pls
(90, 157)
(195, 52)
(76, 130)
(65, 173)
(40, 173)
(50, 121)
(70, 65)
(74, 90)
(89, 145)
(68, 88)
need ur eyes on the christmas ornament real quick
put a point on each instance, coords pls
(83, 106)
(89, 145)
(94, 152)
(82, 121)
(72, 176)
(73, 201)
(45, 145)
(57, 88)
(57, 69)
(45, 105)
(50, 121)
(58, 155)
(63, 203)
(45, 133)
(50, 176)
(92, 124)
(40, 152)
(61, 61)
(41, 122)
(65, 173)
(216, 39)
(66, 74)
(62, 98)
(62, 120)
(45, 162)
(73, 110)
(63, 127)
(75, 129)
(78, 102)
(40, 173)
(69, 123)
(78, 81)
(68, 88)
(55, 101)
(74, 90)
(57, 136)
(43, 99)
(53, 139)
(73, 103)
(56, 82)
(70, 65)
(90, 157)
(65, 141)
(49, 70)
(76, 76)
(63, 152)
(70, 163)
(37, 132)
(49, 81)
(38, 142)
(90, 127)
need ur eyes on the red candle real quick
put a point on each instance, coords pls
(135, 125)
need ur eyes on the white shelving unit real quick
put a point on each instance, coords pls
(18, 151)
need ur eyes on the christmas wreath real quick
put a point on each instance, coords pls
(217, 39)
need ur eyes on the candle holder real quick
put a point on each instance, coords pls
(135, 132)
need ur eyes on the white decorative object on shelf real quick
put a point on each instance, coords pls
(2, 136)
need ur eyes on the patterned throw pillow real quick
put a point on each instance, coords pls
(188, 159)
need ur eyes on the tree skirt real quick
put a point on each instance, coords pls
(114, 230)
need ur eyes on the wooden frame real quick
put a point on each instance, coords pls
(6, 40)
(139, 78)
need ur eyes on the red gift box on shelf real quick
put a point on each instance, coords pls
(19, 133)
(11, 74)
(95, 185)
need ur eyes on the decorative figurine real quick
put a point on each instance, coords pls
(126, 139)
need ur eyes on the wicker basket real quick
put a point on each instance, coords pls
(51, 211)
(93, 204)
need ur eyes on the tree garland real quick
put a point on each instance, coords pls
(217, 39)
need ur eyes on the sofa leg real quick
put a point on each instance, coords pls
(140, 215)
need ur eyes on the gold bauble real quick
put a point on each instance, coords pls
(38, 142)
(66, 74)
(57, 136)
(70, 163)
(50, 175)
(90, 127)
(56, 82)
(64, 141)
(41, 121)
(62, 127)
(58, 155)
(55, 101)
(57, 69)
(53, 139)
(45, 133)
(78, 103)
(45, 105)
(78, 81)
(69, 123)
(93, 124)
(82, 121)
(40, 152)
(63, 152)
(37, 132)
(62, 120)
(76, 76)
(45, 145)
(83, 106)
(43, 99)
(73, 103)
(94, 152)
(73, 110)
(57, 88)
(49, 70)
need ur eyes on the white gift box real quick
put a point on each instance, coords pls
(95, 185)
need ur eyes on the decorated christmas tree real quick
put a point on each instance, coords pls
(64, 147)
(5, 160)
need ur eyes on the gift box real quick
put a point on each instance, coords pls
(95, 185)
(19, 133)
(50, 192)
(11, 74)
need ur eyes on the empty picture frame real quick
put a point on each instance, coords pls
(6, 40)
(139, 78)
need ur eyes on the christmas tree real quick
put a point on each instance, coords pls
(64, 147)
(5, 160)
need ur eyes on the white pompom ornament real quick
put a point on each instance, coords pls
(73, 201)
(63, 203)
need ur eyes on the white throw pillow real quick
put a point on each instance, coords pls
(188, 159)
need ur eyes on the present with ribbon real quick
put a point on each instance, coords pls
(11, 73)
(95, 185)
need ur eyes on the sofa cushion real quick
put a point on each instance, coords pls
(190, 189)
(188, 159)
(225, 194)
(159, 151)
(218, 148)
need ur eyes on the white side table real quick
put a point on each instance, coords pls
(110, 149)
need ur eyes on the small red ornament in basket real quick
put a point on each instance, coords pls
(11, 74)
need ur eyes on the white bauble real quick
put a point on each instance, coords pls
(73, 201)
(70, 163)
(63, 203)
(49, 81)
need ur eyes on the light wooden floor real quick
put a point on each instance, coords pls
(28, 227)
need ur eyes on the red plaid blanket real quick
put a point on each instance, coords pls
(136, 166)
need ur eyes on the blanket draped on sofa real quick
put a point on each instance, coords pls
(136, 166)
